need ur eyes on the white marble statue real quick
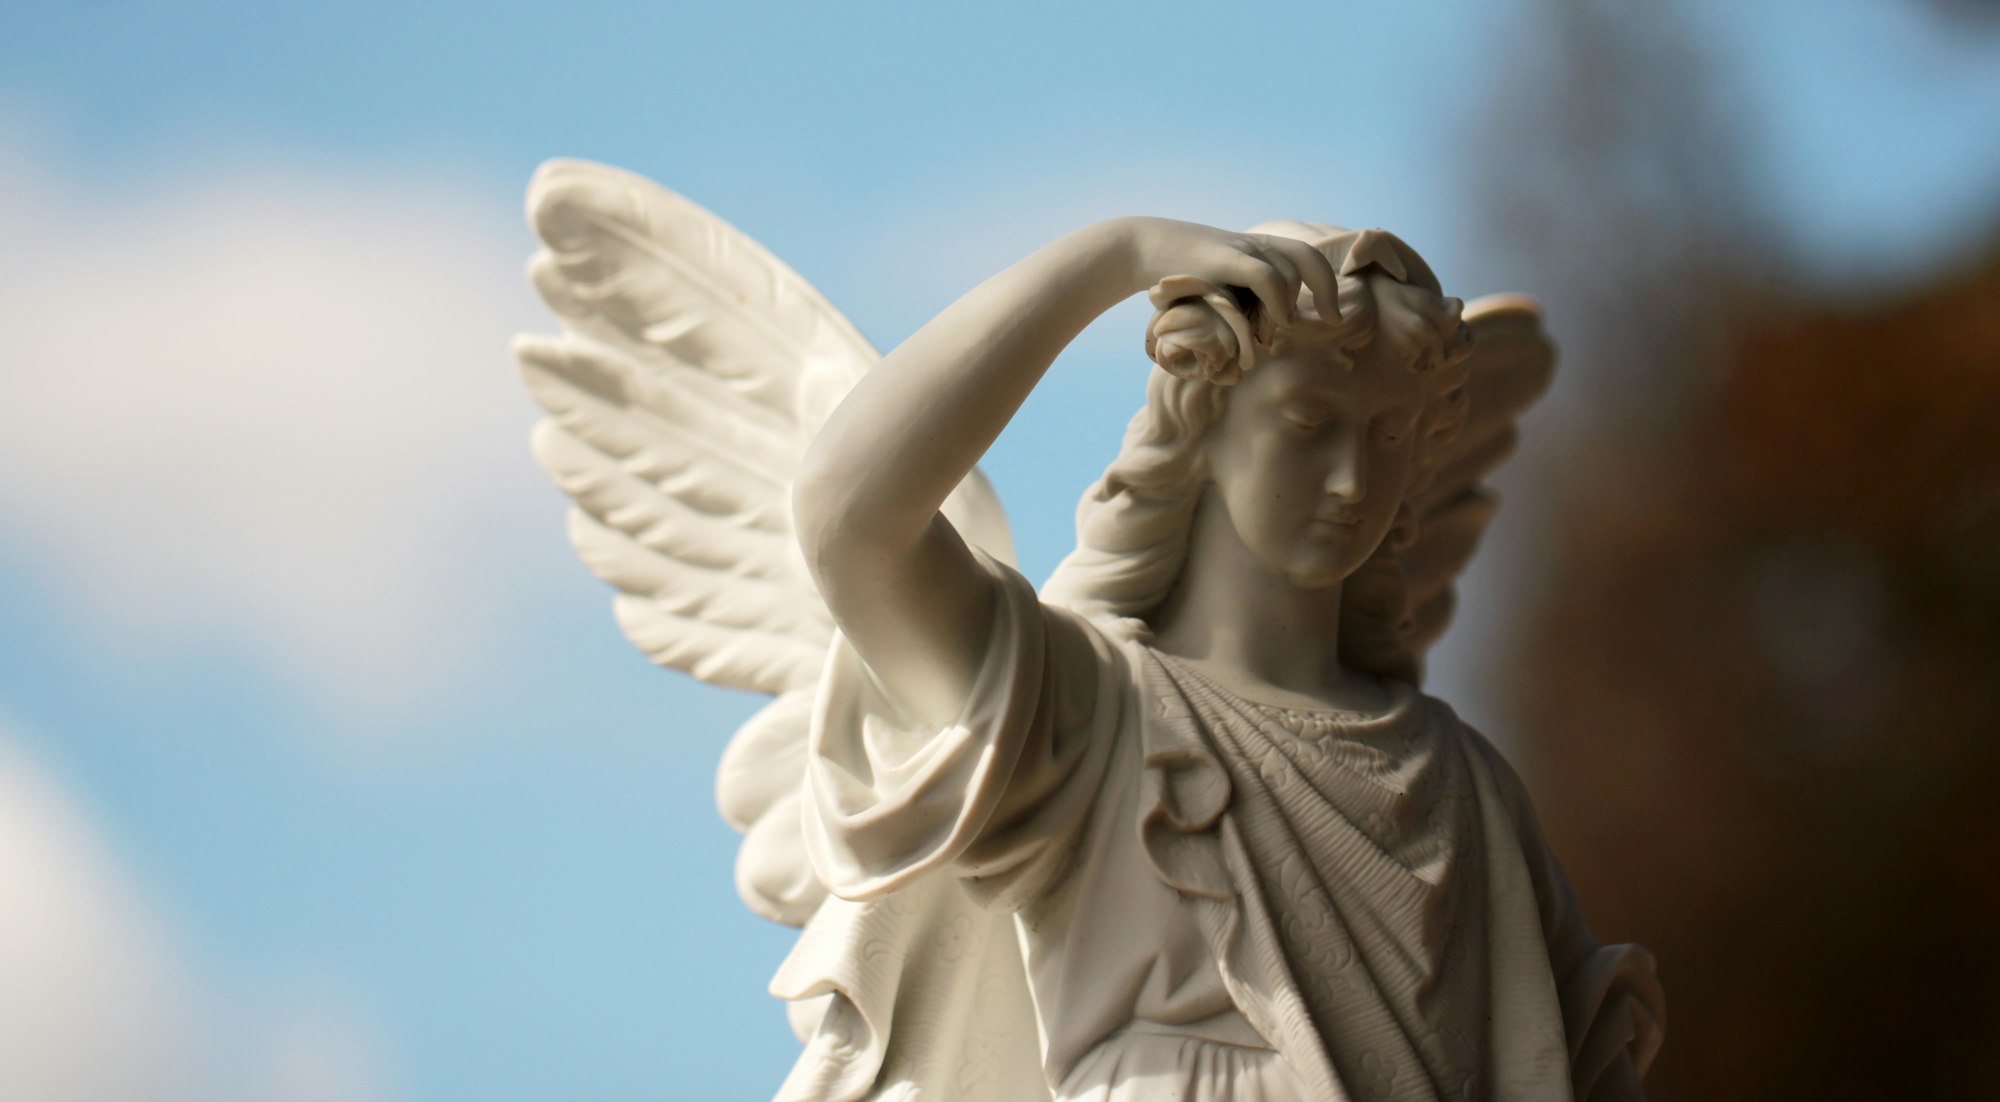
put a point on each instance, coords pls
(1180, 826)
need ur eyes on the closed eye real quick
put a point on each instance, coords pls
(1306, 417)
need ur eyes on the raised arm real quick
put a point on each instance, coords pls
(901, 583)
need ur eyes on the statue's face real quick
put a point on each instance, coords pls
(1311, 459)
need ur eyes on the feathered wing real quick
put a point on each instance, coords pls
(675, 421)
(692, 371)
(1511, 365)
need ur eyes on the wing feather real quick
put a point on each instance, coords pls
(690, 591)
(655, 270)
(1464, 464)
(734, 658)
(1450, 536)
(676, 422)
(692, 371)
(1512, 364)
(623, 411)
(698, 533)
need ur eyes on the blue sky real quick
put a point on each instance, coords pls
(290, 639)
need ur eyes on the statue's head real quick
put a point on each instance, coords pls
(1313, 452)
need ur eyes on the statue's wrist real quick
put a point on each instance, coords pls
(1114, 249)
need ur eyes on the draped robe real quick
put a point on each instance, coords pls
(1211, 898)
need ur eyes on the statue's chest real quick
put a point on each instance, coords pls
(1404, 791)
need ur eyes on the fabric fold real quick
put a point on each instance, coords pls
(1382, 926)
(1183, 794)
(901, 799)
(1108, 862)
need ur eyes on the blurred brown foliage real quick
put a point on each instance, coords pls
(1761, 712)
(1753, 676)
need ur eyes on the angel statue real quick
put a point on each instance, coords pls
(1179, 826)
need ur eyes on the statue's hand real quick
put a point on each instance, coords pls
(1272, 269)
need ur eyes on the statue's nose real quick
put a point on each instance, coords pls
(1347, 470)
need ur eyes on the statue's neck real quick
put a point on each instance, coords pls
(1252, 629)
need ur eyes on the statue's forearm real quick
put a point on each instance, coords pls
(899, 582)
(912, 428)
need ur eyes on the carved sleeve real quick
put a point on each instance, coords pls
(1614, 1010)
(999, 796)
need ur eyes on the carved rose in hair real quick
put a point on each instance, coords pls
(1199, 332)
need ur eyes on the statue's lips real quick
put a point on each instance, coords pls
(1332, 527)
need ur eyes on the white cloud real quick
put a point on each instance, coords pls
(314, 1043)
(270, 411)
(92, 1006)
(97, 1004)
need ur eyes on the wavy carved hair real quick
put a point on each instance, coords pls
(1134, 524)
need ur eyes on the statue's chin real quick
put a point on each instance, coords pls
(1317, 575)
(1322, 560)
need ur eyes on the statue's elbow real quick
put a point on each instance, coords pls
(815, 514)
(827, 519)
